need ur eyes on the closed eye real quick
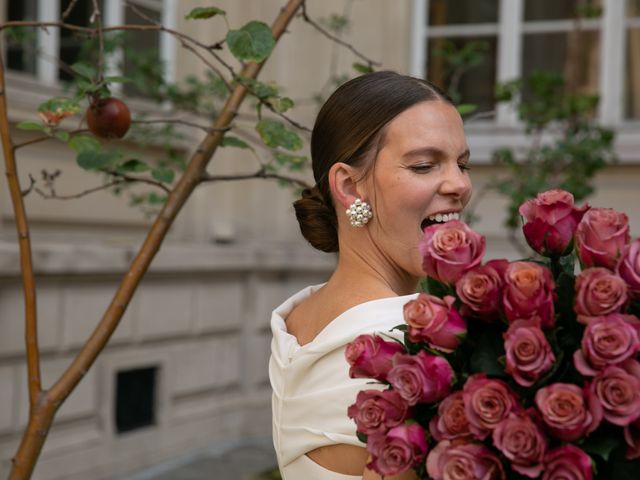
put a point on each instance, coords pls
(421, 168)
(464, 167)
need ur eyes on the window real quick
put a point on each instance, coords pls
(632, 60)
(135, 402)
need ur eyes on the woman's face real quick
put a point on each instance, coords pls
(420, 171)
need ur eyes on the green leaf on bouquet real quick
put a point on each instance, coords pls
(634, 308)
(568, 263)
(362, 437)
(488, 348)
(435, 287)
(602, 443)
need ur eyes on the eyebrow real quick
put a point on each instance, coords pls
(434, 152)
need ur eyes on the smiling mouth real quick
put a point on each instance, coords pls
(439, 218)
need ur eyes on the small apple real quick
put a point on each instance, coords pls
(108, 117)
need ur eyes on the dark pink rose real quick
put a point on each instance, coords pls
(569, 412)
(551, 221)
(487, 402)
(567, 463)
(459, 460)
(528, 352)
(601, 237)
(480, 290)
(370, 356)
(618, 390)
(423, 378)
(397, 451)
(520, 439)
(528, 293)
(629, 268)
(435, 321)
(606, 341)
(450, 249)
(451, 421)
(632, 438)
(376, 411)
(598, 292)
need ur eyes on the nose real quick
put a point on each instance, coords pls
(455, 182)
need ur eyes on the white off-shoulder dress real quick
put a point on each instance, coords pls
(311, 385)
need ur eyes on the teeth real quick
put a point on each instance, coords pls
(444, 217)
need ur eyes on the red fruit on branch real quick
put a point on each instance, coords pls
(108, 118)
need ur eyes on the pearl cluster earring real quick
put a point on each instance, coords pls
(359, 213)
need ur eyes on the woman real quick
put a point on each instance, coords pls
(397, 144)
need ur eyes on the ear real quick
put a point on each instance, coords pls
(342, 184)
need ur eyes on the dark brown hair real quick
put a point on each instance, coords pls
(347, 129)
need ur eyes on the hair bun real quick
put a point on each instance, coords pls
(317, 219)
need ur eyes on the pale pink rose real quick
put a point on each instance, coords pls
(618, 390)
(370, 356)
(632, 438)
(606, 341)
(522, 441)
(629, 268)
(528, 352)
(487, 402)
(598, 292)
(567, 463)
(421, 378)
(398, 450)
(450, 249)
(376, 411)
(451, 421)
(480, 290)
(459, 460)
(528, 293)
(601, 237)
(569, 412)
(551, 221)
(435, 321)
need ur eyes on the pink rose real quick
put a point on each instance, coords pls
(528, 352)
(629, 268)
(551, 220)
(520, 439)
(370, 356)
(567, 462)
(375, 411)
(601, 237)
(451, 421)
(528, 293)
(566, 412)
(480, 290)
(598, 292)
(459, 460)
(423, 378)
(487, 402)
(632, 438)
(435, 321)
(607, 341)
(618, 390)
(450, 249)
(397, 451)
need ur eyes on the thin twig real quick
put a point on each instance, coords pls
(67, 12)
(32, 182)
(262, 173)
(97, 17)
(204, 128)
(54, 196)
(131, 178)
(44, 138)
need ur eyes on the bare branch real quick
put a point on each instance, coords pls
(67, 12)
(131, 178)
(54, 196)
(97, 17)
(44, 138)
(204, 128)
(262, 173)
(32, 182)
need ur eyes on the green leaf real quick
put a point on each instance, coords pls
(84, 70)
(117, 79)
(435, 287)
(229, 141)
(466, 108)
(281, 104)
(133, 165)
(362, 68)
(84, 143)
(62, 136)
(165, 175)
(31, 126)
(253, 42)
(274, 134)
(486, 352)
(200, 13)
(602, 444)
(95, 159)
(59, 105)
(155, 199)
(292, 162)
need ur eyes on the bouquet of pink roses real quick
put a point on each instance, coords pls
(512, 369)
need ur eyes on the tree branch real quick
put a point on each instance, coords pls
(44, 138)
(262, 173)
(178, 121)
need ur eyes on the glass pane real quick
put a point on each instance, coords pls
(451, 12)
(21, 43)
(632, 80)
(561, 9)
(633, 8)
(71, 42)
(142, 61)
(473, 82)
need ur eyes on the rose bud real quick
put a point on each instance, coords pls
(458, 459)
(528, 352)
(567, 462)
(486, 403)
(375, 411)
(598, 292)
(370, 356)
(435, 321)
(606, 341)
(551, 220)
(450, 249)
(520, 439)
(480, 290)
(397, 451)
(629, 268)
(632, 439)
(451, 421)
(618, 390)
(423, 378)
(601, 237)
(566, 412)
(528, 293)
